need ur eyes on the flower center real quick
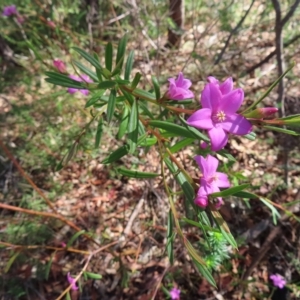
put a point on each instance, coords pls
(212, 179)
(220, 116)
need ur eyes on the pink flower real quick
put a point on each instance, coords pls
(210, 181)
(82, 78)
(9, 10)
(278, 280)
(225, 87)
(179, 88)
(51, 24)
(72, 282)
(218, 114)
(262, 113)
(203, 145)
(60, 65)
(175, 294)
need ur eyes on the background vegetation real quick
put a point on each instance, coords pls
(40, 122)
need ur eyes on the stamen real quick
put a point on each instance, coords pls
(220, 116)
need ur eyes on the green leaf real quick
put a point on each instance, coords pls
(246, 195)
(49, 264)
(96, 97)
(181, 144)
(122, 81)
(205, 273)
(230, 191)
(173, 128)
(150, 141)
(133, 127)
(275, 213)
(250, 136)
(127, 95)
(94, 62)
(170, 238)
(111, 105)
(195, 131)
(129, 64)
(75, 237)
(268, 91)
(92, 275)
(121, 51)
(124, 122)
(11, 261)
(99, 133)
(224, 153)
(278, 129)
(108, 56)
(224, 228)
(143, 94)
(135, 173)
(68, 156)
(116, 155)
(85, 70)
(98, 71)
(156, 87)
(136, 80)
(63, 80)
(187, 188)
(106, 84)
(201, 226)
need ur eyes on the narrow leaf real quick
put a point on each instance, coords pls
(106, 84)
(75, 237)
(135, 173)
(108, 56)
(99, 133)
(133, 127)
(136, 80)
(93, 275)
(121, 51)
(278, 129)
(94, 62)
(156, 87)
(129, 64)
(124, 122)
(116, 155)
(230, 191)
(86, 70)
(111, 105)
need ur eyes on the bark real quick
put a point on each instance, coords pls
(176, 13)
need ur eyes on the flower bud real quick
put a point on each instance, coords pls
(262, 113)
(59, 65)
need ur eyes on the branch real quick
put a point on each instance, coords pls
(290, 13)
(279, 48)
(233, 32)
(268, 57)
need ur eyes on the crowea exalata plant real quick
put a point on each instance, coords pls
(153, 119)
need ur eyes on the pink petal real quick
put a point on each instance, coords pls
(237, 124)
(222, 180)
(201, 201)
(227, 86)
(183, 83)
(76, 78)
(220, 202)
(232, 101)
(84, 92)
(218, 138)
(72, 90)
(213, 80)
(201, 119)
(86, 78)
(211, 97)
(211, 166)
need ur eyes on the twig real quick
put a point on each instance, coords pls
(279, 58)
(134, 215)
(85, 267)
(290, 13)
(268, 57)
(235, 29)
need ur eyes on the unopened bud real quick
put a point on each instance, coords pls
(262, 113)
(59, 65)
